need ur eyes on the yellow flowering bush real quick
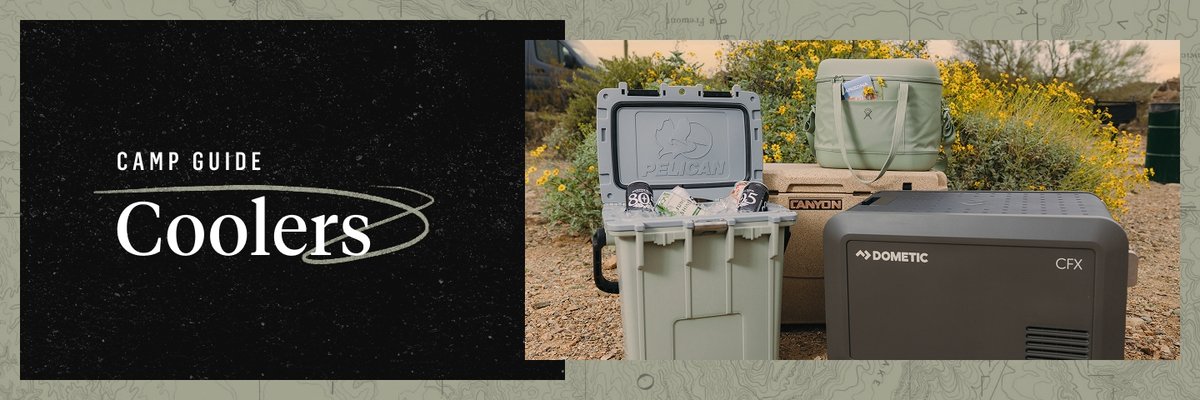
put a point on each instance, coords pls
(782, 72)
(574, 198)
(1014, 134)
(672, 70)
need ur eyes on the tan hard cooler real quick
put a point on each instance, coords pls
(816, 194)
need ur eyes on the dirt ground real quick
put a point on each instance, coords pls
(566, 317)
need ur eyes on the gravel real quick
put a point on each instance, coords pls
(1152, 313)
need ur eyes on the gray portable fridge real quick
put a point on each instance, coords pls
(698, 287)
(976, 275)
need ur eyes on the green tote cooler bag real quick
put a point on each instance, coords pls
(901, 129)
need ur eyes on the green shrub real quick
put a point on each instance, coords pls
(783, 139)
(573, 196)
(994, 154)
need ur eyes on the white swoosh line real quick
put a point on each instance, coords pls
(332, 192)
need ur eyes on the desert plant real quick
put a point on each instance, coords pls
(573, 194)
(1019, 135)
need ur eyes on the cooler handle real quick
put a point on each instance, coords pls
(598, 241)
(787, 237)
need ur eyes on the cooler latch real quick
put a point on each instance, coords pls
(719, 225)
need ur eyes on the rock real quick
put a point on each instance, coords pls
(1132, 322)
(610, 264)
(540, 305)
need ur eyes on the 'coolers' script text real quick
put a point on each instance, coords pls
(287, 224)
(197, 234)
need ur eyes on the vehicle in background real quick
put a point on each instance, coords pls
(549, 62)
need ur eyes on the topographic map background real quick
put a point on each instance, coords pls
(637, 19)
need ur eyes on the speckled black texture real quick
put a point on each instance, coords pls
(435, 106)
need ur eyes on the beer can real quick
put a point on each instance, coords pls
(753, 197)
(639, 197)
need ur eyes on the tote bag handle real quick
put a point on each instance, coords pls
(897, 130)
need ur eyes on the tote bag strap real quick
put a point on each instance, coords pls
(897, 130)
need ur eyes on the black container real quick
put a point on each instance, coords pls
(1162, 142)
(639, 197)
(753, 197)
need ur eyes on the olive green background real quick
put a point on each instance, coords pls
(639, 19)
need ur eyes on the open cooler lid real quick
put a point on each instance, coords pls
(677, 136)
